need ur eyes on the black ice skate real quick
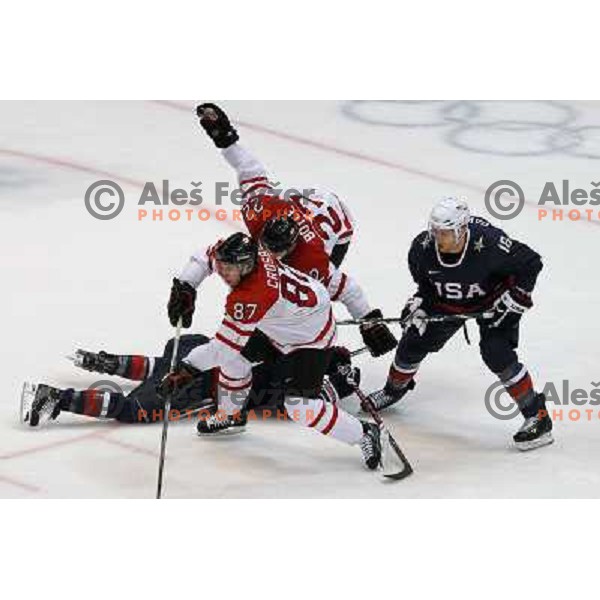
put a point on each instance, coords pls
(39, 404)
(536, 431)
(220, 424)
(388, 395)
(370, 445)
(100, 362)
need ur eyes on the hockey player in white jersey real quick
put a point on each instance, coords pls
(289, 313)
(310, 232)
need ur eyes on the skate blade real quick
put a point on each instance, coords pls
(543, 440)
(27, 398)
(224, 433)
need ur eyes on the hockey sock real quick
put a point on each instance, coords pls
(232, 391)
(326, 417)
(92, 403)
(400, 376)
(518, 384)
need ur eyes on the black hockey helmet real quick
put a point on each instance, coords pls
(238, 249)
(280, 234)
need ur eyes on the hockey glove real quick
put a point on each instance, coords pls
(217, 125)
(176, 380)
(181, 303)
(509, 308)
(342, 375)
(377, 336)
(413, 314)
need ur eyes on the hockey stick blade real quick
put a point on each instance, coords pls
(398, 466)
(403, 468)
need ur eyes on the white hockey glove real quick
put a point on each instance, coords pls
(413, 315)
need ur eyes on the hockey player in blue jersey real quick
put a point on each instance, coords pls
(463, 265)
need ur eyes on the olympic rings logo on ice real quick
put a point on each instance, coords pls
(495, 406)
(93, 202)
(494, 199)
(501, 128)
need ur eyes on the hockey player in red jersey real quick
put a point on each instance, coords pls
(310, 233)
(291, 313)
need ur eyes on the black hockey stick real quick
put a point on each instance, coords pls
(368, 406)
(163, 439)
(359, 351)
(432, 319)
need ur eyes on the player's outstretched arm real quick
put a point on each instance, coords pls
(252, 174)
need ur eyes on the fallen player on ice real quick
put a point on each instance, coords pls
(41, 402)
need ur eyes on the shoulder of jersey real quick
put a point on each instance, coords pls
(259, 289)
(422, 242)
(482, 228)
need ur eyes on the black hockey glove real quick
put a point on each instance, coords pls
(414, 314)
(181, 303)
(342, 375)
(176, 380)
(217, 125)
(377, 336)
(508, 309)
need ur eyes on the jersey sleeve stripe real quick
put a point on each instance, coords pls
(229, 343)
(341, 287)
(253, 180)
(237, 328)
(254, 189)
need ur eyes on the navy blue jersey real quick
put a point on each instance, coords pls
(490, 263)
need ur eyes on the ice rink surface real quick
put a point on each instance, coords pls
(69, 280)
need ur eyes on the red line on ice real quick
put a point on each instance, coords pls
(24, 486)
(75, 166)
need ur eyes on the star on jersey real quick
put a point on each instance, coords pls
(478, 246)
(426, 241)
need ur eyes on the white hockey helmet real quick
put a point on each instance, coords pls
(450, 212)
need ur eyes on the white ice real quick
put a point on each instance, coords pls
(70, 281)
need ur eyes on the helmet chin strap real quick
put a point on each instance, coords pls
(460, 233)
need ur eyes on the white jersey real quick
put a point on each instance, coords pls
(331, 218)
(292, 309)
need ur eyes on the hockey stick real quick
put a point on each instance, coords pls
(163, 439)
(437, 319)
(367, 405)
(359, 351)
